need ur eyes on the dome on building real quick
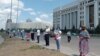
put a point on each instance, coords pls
(28, 20)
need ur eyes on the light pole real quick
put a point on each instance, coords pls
(17, 15)
(11, 10)
(17, 11)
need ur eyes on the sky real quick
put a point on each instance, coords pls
(36, 10)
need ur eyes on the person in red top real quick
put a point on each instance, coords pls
(28, 36)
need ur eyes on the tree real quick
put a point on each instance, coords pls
(73, 29)
(1, 30)
(65, 30)
(97, 30)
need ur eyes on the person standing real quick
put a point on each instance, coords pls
(57, 37)
(32, 36)
(38, 36)
(47, 35)
(83, 41)
(28, 36)
(22, 34)
(69, 36)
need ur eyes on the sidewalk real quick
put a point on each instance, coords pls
(1, 40)
(64, 49)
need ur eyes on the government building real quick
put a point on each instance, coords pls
(77, 13)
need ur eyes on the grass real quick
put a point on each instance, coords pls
(17, 47)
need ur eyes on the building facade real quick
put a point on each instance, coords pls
(78, 13)
(26, 25)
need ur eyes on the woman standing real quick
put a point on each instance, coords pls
(57, 37)
(83, 41)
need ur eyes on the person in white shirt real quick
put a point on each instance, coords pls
(57, 37)
(69, 36)
(38, 36)
(47, 35)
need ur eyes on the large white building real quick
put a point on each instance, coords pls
(77, 13)
(27, 25)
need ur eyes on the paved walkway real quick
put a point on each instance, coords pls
(1, 40)
(71, 49)
(66, 49)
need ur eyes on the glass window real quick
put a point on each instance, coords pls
(99, 3)
(99, 14)
(99, 8)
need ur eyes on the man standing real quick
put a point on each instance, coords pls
(32, 36)
(22, 34)
(47, 35)
(38, 36)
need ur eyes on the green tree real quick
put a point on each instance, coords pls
(2, 30)
(73, 29)
(65, 30)
(97, 30)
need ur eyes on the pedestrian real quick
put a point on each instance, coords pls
(32, 36)
(22, 34)
(10, 34)
(28, 36)
(83, 41)
(57, 37)
(38, 36)
(47, 35)
(68, 36)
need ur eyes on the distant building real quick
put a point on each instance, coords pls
(27, 25)
(78, 13)
(28, 20)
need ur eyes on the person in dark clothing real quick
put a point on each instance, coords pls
(69, 36)
(32, 36)
(38, 36)
(47, 39)
(47, 35)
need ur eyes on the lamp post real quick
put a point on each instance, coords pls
(11, 10)
(17, 15)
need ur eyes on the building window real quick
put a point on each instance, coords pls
(99, 3)
(86, 2)
(83, 3)
(99, 14)
(99, 8)
(90, 1)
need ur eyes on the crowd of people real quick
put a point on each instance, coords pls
(30, 36)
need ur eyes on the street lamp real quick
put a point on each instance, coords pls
(11, 10)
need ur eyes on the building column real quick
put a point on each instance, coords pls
(60, 21)
(96, 18)
(75, 19)
(71, 21)
(66, 21)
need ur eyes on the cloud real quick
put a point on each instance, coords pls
(38, 19)
(28, 9)
(44, 18)
(33, 13)
(5, 9)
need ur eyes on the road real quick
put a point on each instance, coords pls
(72, 48)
